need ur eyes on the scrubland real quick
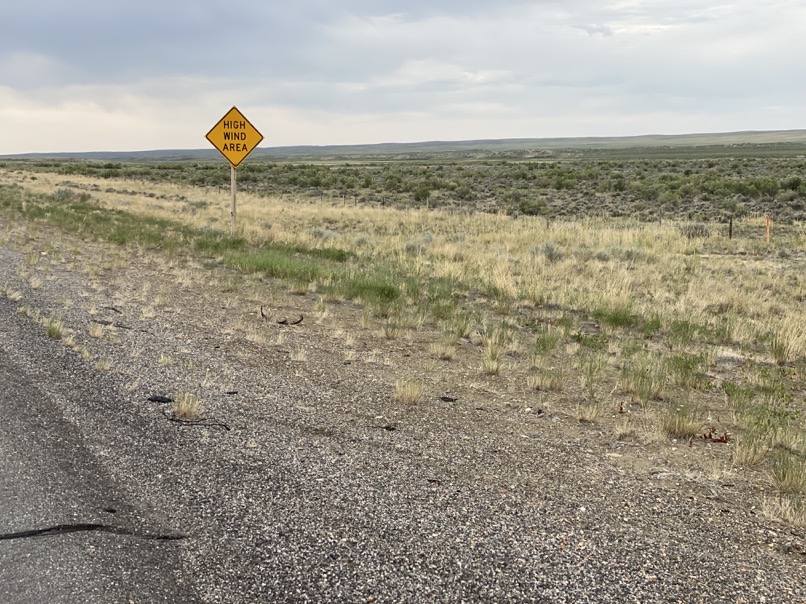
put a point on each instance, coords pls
(651, 328)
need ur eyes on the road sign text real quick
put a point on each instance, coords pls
(234, 136)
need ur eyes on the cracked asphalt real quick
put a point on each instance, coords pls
(49, 479)
(324, 489)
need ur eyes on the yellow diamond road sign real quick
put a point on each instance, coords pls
(234, 136)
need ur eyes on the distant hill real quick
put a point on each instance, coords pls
(785, 141)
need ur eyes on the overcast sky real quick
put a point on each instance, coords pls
(98, 75)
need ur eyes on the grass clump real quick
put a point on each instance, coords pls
(459, 325)
(680, 422)
(593, 341)
(738, 396)
(788, 470)
(546, 340)
(590, 369)
(643, 378)
(751, 450)
(546, 380)
(788, 342)
(617, 316)
(443, 350)
(495, 339)
(12, 294)
(688, 370)
(375, 289)
(187, 406)
(588, 411)
(408, 391)
(277, 263)
(788, 509)
(682, 333)
(55, 328)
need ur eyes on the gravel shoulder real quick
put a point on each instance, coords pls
(308, 482)
(67, 532)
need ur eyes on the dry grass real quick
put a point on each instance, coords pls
(546, 380)
(644, 377)
(588, 411)
(570, 311)
(96, 330)
(496, 339)
(681, 421)
(299, 356)
(443, 350)
(408, 391)
(259, 335)
(751, 450)
(624, 429)
(491, 359)
(789, 510)
(590, 372)
(55, 328)
(789, 472)
(104, 364)
(187, 406)
(788, 341)
(485, 250)
(12, 294)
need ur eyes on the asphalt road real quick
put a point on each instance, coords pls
(68, 533)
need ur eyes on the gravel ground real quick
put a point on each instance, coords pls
(307, 482)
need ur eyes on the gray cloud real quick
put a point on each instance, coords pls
(575, 64)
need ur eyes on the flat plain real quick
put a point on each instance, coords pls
(631, 309)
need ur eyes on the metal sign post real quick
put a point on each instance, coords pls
(235, 137)
(234, 188)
